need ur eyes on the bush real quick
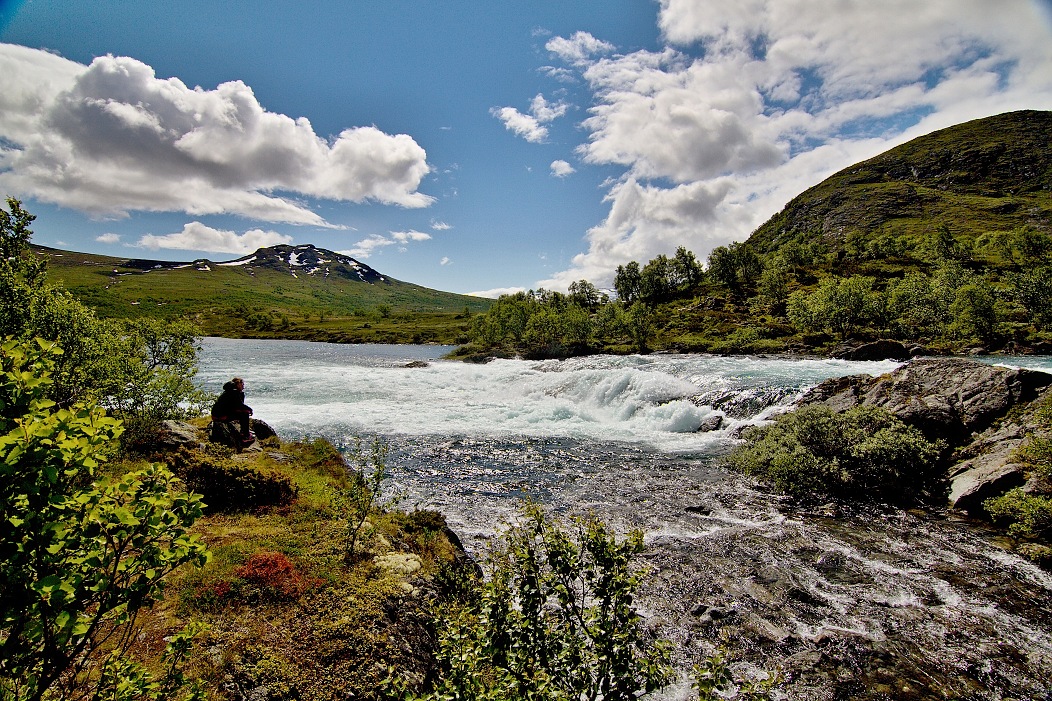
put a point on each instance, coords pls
(80, 553)
(863, 453)
(270, 575)
(557, 620)
(226, 485)
(1027, 515)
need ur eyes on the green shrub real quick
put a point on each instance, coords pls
(227, 485)
(81, 553)
(863, 453)
(1026, 515)
(556, 620)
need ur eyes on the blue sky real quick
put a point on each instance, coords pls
(477, 147)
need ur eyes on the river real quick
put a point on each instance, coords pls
(850, 602)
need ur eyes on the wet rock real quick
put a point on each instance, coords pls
(417, 364)
(711, 614)
(765, 629)
(877, 350)
(701, 510)
(971, 487)
(713, 423)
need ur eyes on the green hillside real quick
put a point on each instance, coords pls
(983, 176)
(282, 291)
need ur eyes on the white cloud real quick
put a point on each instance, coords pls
(367, 246)
(108, 238)
(750, 103)
(407, 236)
(497, 292)
(561, 169)
(196, 236)
(112, 137)
(546, 111)
(445, 260)
(579, 47)
(440, 225)
(530, 126)
(523, 125)
(375, 242)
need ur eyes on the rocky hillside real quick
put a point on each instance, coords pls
(307, 259)
(991, 174)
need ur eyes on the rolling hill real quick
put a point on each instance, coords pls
(289, 291)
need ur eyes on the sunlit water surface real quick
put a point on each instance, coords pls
(850, 603)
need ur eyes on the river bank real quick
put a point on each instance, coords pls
(832, 595)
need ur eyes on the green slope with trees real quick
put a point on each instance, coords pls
(944, 242)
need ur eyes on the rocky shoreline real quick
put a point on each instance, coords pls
(982, 412)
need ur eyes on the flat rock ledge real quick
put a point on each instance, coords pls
(962, 402)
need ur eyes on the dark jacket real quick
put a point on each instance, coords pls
(230, 403)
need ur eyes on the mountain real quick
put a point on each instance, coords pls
(986, 175)
(288, 284)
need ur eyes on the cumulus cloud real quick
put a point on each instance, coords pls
(108, 238)
(440, 225)
(531, 126)
(561, 169)
(112, 137)
(445, 260)
(367, 246)
(196, 236)
(749, 103)
(579, 47)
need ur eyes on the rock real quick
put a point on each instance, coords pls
(712, 423)
(400, 564)
(417, 364)
(262, 429)
(876, 350)
(974, 485)
(710, 614)
(174, 434)
(946, 398)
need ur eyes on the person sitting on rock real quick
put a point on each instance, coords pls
(231, 407)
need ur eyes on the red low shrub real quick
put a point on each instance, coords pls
(273, 575)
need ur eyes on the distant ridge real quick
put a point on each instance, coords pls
(294, 281)
(990, 174)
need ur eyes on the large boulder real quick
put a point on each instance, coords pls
(946, 398)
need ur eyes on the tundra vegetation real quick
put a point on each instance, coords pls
(131, 570)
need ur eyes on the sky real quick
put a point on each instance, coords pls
(477, 147)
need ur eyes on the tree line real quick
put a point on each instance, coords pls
(936, 289)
